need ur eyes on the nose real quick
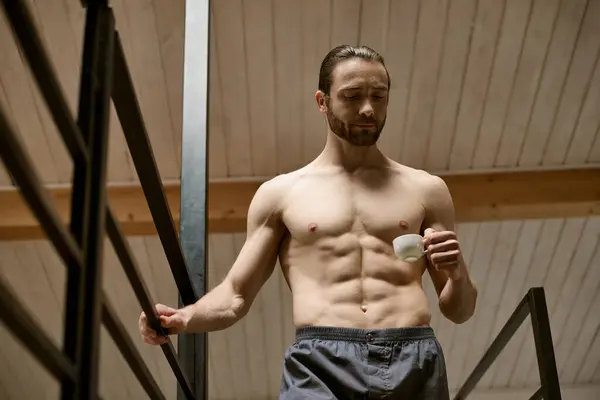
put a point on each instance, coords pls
(366, 109)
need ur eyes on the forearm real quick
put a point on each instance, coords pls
(458, 298)
(218, 309)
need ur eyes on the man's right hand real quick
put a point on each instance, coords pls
(173, 320)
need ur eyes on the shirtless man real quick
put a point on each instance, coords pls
(361, 314)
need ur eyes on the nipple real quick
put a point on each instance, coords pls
(312, 227)
(403, 224)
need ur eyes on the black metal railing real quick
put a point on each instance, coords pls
(105, 75)
(534, 304)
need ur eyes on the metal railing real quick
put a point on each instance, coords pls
(105, 75)
(534, 304)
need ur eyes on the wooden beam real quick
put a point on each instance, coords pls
(477, 197)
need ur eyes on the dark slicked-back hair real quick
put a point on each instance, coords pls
(342, 53)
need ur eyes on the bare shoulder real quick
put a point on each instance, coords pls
(419, 178)
(431, 188)
(271, 195)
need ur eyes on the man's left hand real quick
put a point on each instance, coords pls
(443, 251)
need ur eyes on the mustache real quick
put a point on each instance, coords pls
(366, 121)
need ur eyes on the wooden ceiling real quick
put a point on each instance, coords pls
(477, 85)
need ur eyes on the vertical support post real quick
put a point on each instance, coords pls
(80, 199)
(96, 86)
(542, 336)
(192, 349)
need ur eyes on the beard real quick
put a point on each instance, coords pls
(354, 135)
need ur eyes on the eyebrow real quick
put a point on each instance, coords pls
(349, 88)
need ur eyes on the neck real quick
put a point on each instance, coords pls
(340, 153)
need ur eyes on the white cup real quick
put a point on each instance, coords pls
(409, 247)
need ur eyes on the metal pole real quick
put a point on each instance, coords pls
(96, 78)
(192, 349)
(542, 336)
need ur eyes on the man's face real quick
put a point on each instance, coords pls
(356, 108)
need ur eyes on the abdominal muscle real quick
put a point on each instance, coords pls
(355, 287)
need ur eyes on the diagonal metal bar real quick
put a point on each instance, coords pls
(538, 395)
(507, 332)
(20, 166)
(129, 351)
(130, 115)
(27, 331)
(23, 26)
(124, 254)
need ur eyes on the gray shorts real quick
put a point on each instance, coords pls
(347, 364)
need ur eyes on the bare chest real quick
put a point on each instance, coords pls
(335, 207)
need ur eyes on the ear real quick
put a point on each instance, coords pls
(320, 98)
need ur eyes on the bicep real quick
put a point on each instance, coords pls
(257, 258)
(439, 215)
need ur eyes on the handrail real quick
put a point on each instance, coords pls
(130, 115)
(104, 75)
(534, 304)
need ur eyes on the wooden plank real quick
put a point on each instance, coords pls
(490, 14)
(535, 48)
(17, 96)
(594, 156)
(480, 197)
(228, 20)
(587, 124)
(345, 22)
(556, 67)
(260, 67)
(577, 85)
(316, 15)
(170, 25)
(374, 25)
(218, 165)
(457, 44)
(287, 42)
(508, 53)
(421, 103)
(145, 64)
(399, 55)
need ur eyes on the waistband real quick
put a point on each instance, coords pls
(365, 335)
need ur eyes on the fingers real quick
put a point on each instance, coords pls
(449, 265)
(149, 335)
(157, 341)
(161, 309)
(449, 245)
(433, 237)
(428, 231)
